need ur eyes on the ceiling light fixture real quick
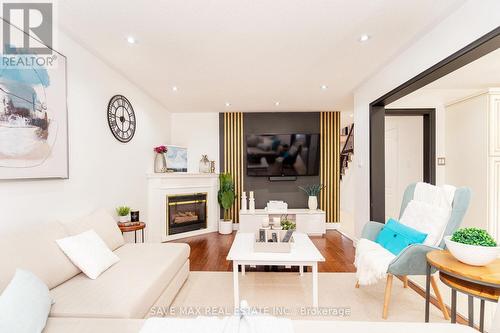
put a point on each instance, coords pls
(131, 40)
(174, 88)
(324, 87)
(277, 103)
(228, 104)
(363, 38)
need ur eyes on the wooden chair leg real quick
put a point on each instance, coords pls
(439, 298)
(357, 284)
(387, 296)
(405, 281)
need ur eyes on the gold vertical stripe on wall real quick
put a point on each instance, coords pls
(233, 156)
(330, 165)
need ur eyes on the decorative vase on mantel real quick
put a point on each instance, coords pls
(160, 165)
(204, 164)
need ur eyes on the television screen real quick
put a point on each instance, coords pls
(282, 154)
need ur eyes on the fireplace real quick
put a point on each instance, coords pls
(186, 212)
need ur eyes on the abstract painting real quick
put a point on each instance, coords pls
(177, 159)
(33, 122)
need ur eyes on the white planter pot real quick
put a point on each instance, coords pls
(225, 227)
(123, 219)
(472, 254)
(312, 203)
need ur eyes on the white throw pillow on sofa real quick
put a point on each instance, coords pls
(88, 252)
(24, 304)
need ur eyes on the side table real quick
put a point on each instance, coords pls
(480, 282)
(141, 226)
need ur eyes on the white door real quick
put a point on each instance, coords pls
(404, 153)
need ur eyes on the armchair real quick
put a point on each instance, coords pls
(412, 260)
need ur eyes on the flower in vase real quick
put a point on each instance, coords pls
(160, 149)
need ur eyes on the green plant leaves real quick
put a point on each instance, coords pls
(226, 195)
(473, 236)
(312, 190)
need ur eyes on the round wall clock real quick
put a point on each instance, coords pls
(121, 118)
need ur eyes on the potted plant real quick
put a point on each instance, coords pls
(160, 159)
(287, 224)
(312, 191)
(123, 212)
(472, 246)
(226, 197)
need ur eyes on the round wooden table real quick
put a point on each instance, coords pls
(474, 281)
(134, 228)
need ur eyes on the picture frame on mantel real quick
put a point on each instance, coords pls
(176, 158)
(34, 119)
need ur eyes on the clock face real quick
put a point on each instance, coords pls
(121, 118)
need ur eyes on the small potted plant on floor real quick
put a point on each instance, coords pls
(226, 197)
(312, 191)
(123, 212)
(472, 246)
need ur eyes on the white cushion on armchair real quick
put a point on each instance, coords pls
(426, 218)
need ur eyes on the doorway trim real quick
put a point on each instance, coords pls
(464, 56)
(429, 138)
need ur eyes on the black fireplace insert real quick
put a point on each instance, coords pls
(186, 212)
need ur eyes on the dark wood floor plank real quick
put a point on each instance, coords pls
(209, 251)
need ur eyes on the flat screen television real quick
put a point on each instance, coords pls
(272, 155)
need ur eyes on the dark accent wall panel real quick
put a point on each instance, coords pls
(279, 123)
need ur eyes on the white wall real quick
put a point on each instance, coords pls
(103, 172)
(467, 154)
(468, 23)
(199, 132)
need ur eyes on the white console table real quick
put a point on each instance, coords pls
(311, 222)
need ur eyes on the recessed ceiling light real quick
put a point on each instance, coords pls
(174, 88)
(324, 87)
(363, 38)
(228, 104)
(277, 103)
(131, 40)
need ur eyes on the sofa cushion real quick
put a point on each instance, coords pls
(35, 249)
(126, 290)
(24, 304)
(88, 252)
(102, 223)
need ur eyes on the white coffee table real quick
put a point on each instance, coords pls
(303, 253)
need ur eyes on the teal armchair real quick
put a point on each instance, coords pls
(412, 260)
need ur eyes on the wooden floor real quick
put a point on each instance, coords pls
(209, 251)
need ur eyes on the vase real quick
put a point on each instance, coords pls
(204, 164)
(312, 202)
(123, 219)
(160, 163)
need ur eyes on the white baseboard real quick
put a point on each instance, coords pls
(332, 226)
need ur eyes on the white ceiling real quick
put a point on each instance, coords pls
(466, 81)
(250, 53)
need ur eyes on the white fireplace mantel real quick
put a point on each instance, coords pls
(160, 185)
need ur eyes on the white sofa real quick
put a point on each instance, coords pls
(147, 274)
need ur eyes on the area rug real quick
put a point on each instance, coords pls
(289, 295)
